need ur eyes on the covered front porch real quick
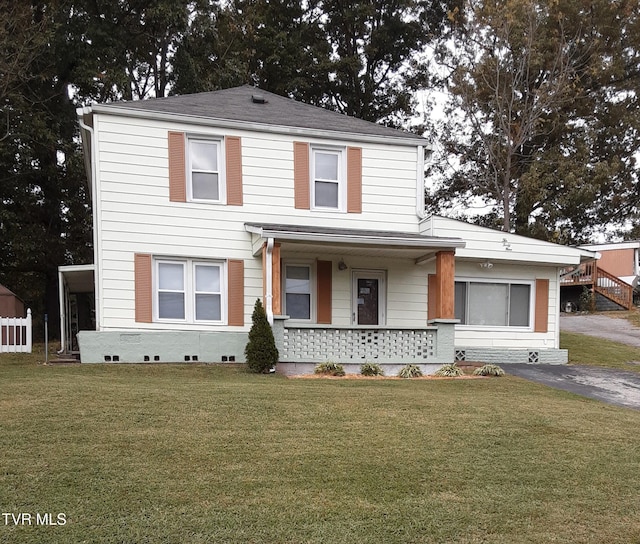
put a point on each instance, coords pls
(354, 296)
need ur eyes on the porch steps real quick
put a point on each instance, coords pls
(66, 358)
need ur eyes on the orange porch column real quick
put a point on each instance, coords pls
(445, 285)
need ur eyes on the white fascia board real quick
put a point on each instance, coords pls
(606, 247)
(255, 127)
(354, 239)
(76, 267)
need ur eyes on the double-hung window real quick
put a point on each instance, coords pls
(297, 291)
(189, 291)
(205, 160)
(493, 304)
(328, 185)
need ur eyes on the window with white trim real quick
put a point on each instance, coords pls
(297, 291)
(327, 179)
(205, 170)
(189, 291)
(493, 304)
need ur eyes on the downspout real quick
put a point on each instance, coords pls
(420, 183)
(80, 112)
(269, 294)
(63, 312)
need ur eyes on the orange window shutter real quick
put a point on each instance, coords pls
(301, 184)
(541, 320)
(177, 168)
(143, 288)
(432, 294)
(233, 159)
(354, 180)
(236, 292)
(323, 272)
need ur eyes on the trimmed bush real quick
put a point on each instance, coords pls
(330, 369)
(489, 370)
(410, 371)
(261, 352)
(449, 371)
(371, 369)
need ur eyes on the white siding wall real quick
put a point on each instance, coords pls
(134, 214)
(494, 337)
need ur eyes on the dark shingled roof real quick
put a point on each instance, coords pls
(236, 104)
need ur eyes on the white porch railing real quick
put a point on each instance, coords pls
(357, 345)
(16, 334)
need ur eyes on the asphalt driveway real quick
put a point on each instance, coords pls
(608, 385)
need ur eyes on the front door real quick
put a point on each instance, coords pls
(368, 297)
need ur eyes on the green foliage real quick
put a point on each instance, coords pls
(449, 371)
(410, 371)
(489, 370)
(260, 352)
(371, 369)
(587, 300)
(329, 368)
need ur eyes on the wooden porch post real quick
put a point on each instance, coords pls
(276, 279)
(445, 285)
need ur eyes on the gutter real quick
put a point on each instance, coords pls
(81, 112)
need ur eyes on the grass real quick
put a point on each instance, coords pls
(589, 350)
(195, 453)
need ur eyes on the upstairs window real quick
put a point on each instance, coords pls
(205, 170)
(327, 184)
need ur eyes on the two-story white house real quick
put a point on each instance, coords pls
(204, 203)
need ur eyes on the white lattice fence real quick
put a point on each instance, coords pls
(16, 334)
(355, 345)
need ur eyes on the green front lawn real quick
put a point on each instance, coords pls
(593, 351)
(195, 453)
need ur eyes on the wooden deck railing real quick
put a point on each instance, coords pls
(604, 283)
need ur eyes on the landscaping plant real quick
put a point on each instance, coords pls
(330, 369)
(489, 370)
(410, 371)
(371, 369)
(450, 371)
(260, 352)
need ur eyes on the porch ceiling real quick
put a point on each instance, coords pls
(304, 239)
(78, 279)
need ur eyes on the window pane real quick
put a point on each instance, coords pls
(208, 308)
(461, 301)
(171, 276)
(519, 306)
(171, 305)
(298, 306)
(488, 303)
(326, 194)
(207, 279)
(326, 165)
(297, 280)
(204, 156)
(205, 186)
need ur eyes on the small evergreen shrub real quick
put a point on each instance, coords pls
(449, 371)
(330, 369)
(488, 370)
(260, 352)
(410, 371)
(371, 369)
(587, 300)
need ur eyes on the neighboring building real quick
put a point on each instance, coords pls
(613, 277)
(203, 203)
(10, 304)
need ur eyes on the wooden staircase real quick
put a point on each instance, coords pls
(608, 285)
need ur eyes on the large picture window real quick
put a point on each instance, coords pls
(189, 291)
(493, 304)
(205, 170)
(327, 191)
(297, 291)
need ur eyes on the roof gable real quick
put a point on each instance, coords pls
(237, 104)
